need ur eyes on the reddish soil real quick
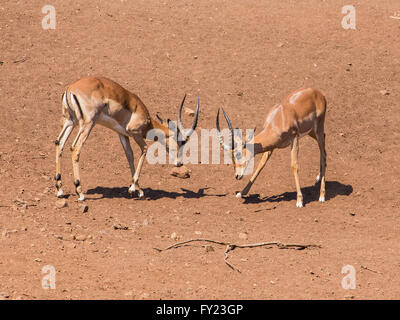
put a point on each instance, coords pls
(245, 56)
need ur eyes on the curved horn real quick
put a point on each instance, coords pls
(186, 133)
(226, 147)
(249, 138)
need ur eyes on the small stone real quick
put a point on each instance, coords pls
(83, 208)
(196, 212)
(144, 295)
(352, 214)
(384, 92)
(280, 44)
(198, 232)
(243, 235)
(229, 212)
(190, 112)
(118, 226)
(4, 295)
(195, 57)
(180, 172)
(129, 294)
(80, 238)
(59, 237)
(38, 260)
(174, 236)
(61, 203)
(315, 220)
(240, 94)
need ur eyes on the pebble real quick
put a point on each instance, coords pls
(190, 112)
(180, 172)
(4, 295)
(174, 236)
(83, 208)
(243, 235)
(61, 203)
(80, 238)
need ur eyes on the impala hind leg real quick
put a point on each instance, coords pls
(318, 178)
(60, 143)
(295, 168)
(143, 147)
(129, 156)
(320, 138)
(76, 148)
(321, 144)
(260, 166)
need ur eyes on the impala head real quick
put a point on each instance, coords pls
(240, 154)
(178, 135)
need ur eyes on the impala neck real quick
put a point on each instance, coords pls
(259, 144)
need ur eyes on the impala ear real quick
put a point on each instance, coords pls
(159, 118)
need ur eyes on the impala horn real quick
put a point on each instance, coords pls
(232, 144)
(186, 133)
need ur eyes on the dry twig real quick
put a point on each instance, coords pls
(231, 247)
(366, 268)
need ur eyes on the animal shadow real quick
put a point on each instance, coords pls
(150, 194)
(310, 194)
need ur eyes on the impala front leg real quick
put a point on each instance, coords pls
(295, 168)
(260, 166)
(143, 147)
(129, 155)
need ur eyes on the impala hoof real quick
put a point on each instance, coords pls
(81, 197)
(60, 193)
(132, 189)
(321, 199)
(140, 193)
(299, 204)
(239, 195)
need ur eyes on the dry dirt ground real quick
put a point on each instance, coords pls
(245, 56)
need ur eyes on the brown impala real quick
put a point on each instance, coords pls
(100, 100)
(300, 113)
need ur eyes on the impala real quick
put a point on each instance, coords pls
(300, 113)
(100, 100)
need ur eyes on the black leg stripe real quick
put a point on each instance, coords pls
(77, 183)
(57, 177)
